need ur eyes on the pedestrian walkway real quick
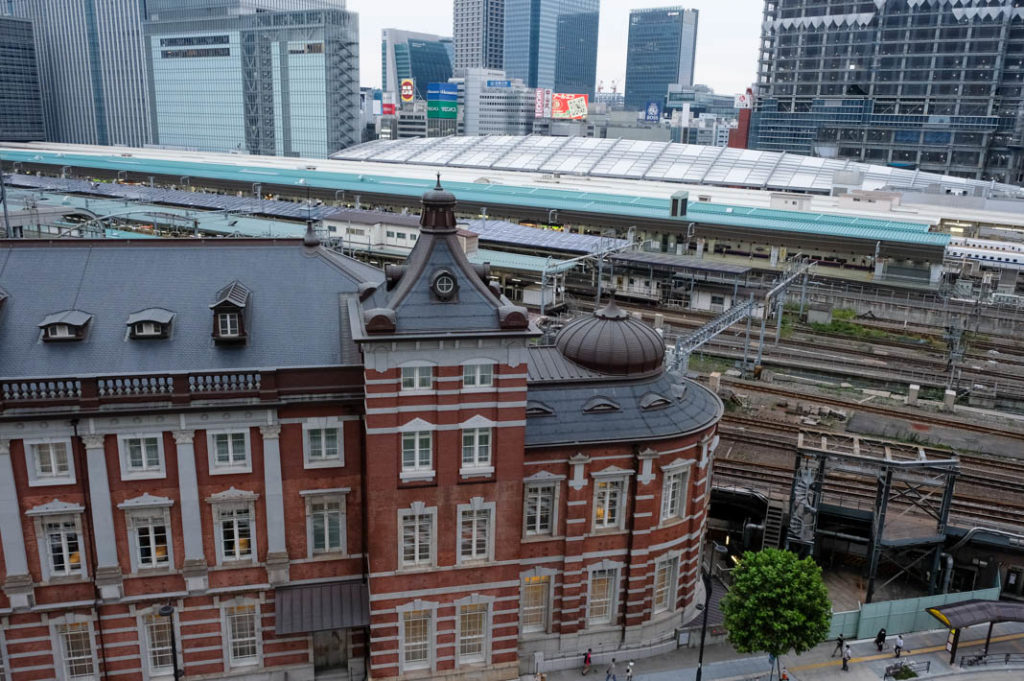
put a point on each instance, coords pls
(722, 663)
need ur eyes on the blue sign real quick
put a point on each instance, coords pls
(499, 83)
(652, 112)
(442, 92)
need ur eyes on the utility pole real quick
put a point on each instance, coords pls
(3, 199)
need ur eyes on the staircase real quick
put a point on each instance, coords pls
(772, 536)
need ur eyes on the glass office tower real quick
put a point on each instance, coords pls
(274, 77)
(91, 68)
(661, 52)
(478, 28)
(21, 109)
(424, 57)
(909, 83)
(552, 43)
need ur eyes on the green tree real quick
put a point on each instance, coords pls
(777, 603)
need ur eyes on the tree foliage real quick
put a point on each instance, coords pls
(777, 603)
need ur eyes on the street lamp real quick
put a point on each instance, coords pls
(708, 587)
(168, 612)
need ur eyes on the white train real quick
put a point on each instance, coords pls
(1001, 255)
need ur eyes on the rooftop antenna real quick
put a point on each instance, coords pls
(309, 238)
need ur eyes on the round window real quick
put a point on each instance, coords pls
(444, 285)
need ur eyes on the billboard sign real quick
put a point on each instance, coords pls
(742, 101)
(440, 109)
(499, 83)
(408, 89)
(442, 92)
(652, 112)
(542, 103)
(568, 106)
(387, 109)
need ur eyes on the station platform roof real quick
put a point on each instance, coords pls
(547, 239)
(517, 262)
(679, 262)
(622, 207)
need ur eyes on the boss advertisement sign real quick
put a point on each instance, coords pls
(568, 106)
(442, 92)
(407, 89)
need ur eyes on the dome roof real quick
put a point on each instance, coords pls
(438, 213)
(612, 342)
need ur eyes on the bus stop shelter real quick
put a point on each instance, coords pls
(957, 616)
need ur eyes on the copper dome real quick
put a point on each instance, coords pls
(612, 342)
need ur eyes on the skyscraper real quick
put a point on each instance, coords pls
(661, 52)
(552, 43)
(21, 109)
(275, 77)
(91, 68)
(929, 85)
(424, 57)
(478, 28)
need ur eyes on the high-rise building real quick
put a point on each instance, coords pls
(926, 85)
(478, 27)
(21, 109)
(275, 77)
(496, 105)
(424, 57)
(91, 68)
(661, 52)
(552, 43)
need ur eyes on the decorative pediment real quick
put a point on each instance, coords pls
(415, 425)
(147, 500)
(544, 476)
(478, 421)
(611, 471)
(55, 507)
(232, 495)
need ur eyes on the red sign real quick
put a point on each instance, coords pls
(568, 106)
(408, 90)
(388, 109)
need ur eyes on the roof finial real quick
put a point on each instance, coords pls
(438, 180)
(310, 239)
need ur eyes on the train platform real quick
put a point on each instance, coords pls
(722, 663)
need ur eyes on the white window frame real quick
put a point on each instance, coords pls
(338, 496)
(616, 476)
(431, 642)
(58, 630)
(45, 557)
(545, 578)
(475, 378)
(232, 501)
(417, 509)
(38, 479)
(134, 519)
(147, 472)
(476, 506)
(421, 377)
(144, 618)
(478, 602)
(315, 428)
(672, 510)
(528, 489)
(479, 465)
(418, 471)
(217, 468)
(227, 611)
(225, 321)
(671, 562)
(613, 596)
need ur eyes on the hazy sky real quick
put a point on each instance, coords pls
(728, 32)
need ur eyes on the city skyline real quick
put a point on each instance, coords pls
(726, 44)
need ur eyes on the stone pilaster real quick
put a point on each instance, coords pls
(108, 572)
(639, 564)
(277, 552)
(577, 524)
(194, 567)
(18, 586)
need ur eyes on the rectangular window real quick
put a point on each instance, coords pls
(416, 639)
(227, 324)
(417, 539)
(158, 644)
(76, 642)
(62, 546)
(230, 450)
(417, 378)
(664, 584)
(327, 524)
(600, 602)
(142, 455)
(150, 541)
(242, 635)
(416, 451)
(608, 503)
(236, 531)
(540, 506)
(477, 375)
(474, 530)
(673, 495)
(472, 631)
(51, 460)
(476, 447)
(534, 616)
(323, 445)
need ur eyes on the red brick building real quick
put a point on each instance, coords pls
(328, 471)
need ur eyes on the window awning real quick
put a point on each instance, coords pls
(321, 607)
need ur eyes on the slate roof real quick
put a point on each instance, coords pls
(297, 309)
(152, 314)
(72, 317)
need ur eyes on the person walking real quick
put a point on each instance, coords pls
(588, 659)
(840, 642)
(609, 674)
(899, 645)
(880, 639)
(847, 655)
(629, 671)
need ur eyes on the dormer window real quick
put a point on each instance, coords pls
(69, 325)
(154, 322)
(653, 401)
(229, 313)
(599, 404)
